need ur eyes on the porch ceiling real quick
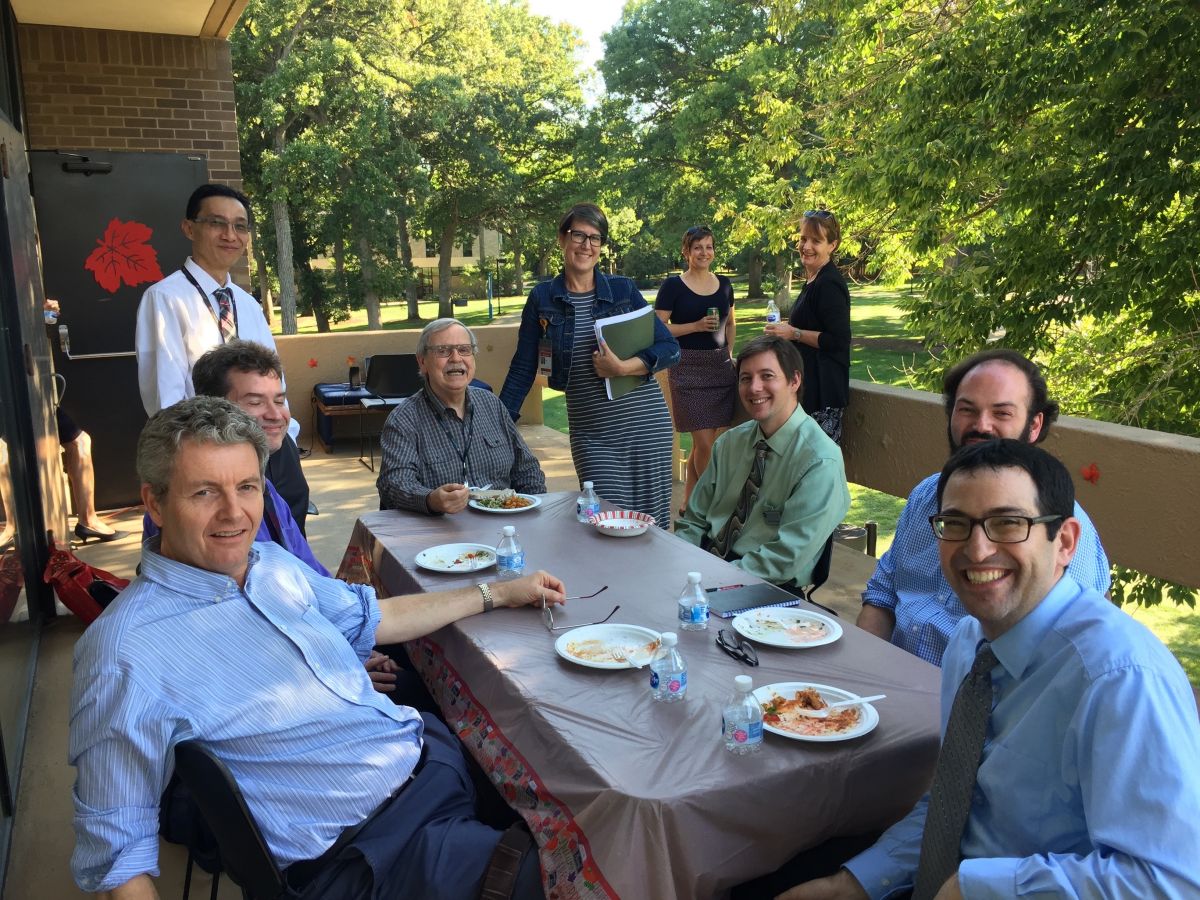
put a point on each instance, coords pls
(194, 18)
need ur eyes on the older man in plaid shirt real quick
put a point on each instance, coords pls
(450, 435)
(996, 393)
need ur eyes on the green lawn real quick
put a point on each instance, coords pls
(394, 312)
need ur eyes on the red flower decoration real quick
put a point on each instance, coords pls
(1090, 473)
(349, 360)
(312, 363)
(124, 254)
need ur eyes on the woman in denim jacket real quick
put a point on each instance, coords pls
(622, 446)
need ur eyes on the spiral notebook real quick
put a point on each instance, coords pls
(732, 601)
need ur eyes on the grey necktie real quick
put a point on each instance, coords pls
(723, 545)
(954, 777)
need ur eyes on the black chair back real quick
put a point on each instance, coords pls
(820, 572)
(393, 375)
(244, 853)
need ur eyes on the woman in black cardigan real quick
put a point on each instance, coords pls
(820, 324)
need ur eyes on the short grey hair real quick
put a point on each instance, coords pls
(440, 325)
(211, 420)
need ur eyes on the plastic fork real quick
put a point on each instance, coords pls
(823, 713)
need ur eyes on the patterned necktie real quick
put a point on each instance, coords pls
(225, 320)
(724, 542)
(954, 777)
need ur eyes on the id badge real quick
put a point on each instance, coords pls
(545, 357)
(772, 517)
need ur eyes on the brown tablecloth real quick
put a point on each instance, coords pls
(628, 797)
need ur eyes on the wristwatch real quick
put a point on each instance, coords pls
(488, 600)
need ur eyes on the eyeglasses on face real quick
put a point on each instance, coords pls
(1000, 529)
(444, 351)
(582, 237)
(216, 223)
(737, 648)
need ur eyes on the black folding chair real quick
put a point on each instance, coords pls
(391, 377)
(244, 853)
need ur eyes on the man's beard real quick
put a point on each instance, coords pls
(1023, 437)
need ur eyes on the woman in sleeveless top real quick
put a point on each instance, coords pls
(704, 384)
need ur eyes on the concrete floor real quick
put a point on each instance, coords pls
(342, 488)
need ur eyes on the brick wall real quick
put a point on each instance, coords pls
(88, 89)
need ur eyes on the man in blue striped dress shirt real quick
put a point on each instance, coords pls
(244, 648)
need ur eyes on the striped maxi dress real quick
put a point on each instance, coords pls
(622, 446)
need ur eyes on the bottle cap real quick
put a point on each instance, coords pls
(694, 577)
(743, 683)
(587, 485)
(509, 530)
(668, 638)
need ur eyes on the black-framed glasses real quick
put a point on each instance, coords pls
(737, 647)
(1000, 529)
(582, 237)
(443, 351)
(818, 214)
(216, 223)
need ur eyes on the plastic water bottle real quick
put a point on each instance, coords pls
(588, 503)
(741, 719)
(510, 558)
(693, 605)
(772, 312)
(668, 671)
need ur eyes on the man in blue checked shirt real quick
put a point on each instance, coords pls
(1080, 777)
(996, 393)
(246, 649)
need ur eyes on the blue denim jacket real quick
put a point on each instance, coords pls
(548, 302)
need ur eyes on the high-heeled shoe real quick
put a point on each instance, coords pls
(85, 534)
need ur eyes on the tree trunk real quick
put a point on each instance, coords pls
(410, 272)
(518, 252)
(262, 276)
(366, 262)
(755, 273)
(783, 284)
(283, 253)
(445, 252)
(339, 263)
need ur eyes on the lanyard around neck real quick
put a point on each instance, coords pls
(468, 424)
(208, 304)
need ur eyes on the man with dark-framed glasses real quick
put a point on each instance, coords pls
(450, 437)
(996, 393)
(1069, 732)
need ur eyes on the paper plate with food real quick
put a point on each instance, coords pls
(457, 557)
(789, 707)
(787, 627)
(506, 501)
(608, 646)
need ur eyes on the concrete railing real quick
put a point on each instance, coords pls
(1145, 502)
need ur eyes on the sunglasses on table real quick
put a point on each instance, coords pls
(736, 647)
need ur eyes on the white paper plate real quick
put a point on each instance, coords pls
(608, 634)
(771, 625)
(867, 721)
(452, 558)
(536, 502)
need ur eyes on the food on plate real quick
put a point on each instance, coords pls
(783, 714)
(470, 558)
(802, 631)
(602, 651)
(516, 501)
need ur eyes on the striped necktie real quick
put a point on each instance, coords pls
(723, 545)
(954, 777)
(225, 320)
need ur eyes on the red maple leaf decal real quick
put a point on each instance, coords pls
(312, 363)
(1090, 473)
(124, 254)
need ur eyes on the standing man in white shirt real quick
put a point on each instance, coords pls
(197, 308)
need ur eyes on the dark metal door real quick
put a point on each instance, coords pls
(109, 228)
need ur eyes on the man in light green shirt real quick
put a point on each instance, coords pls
(792, 505)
